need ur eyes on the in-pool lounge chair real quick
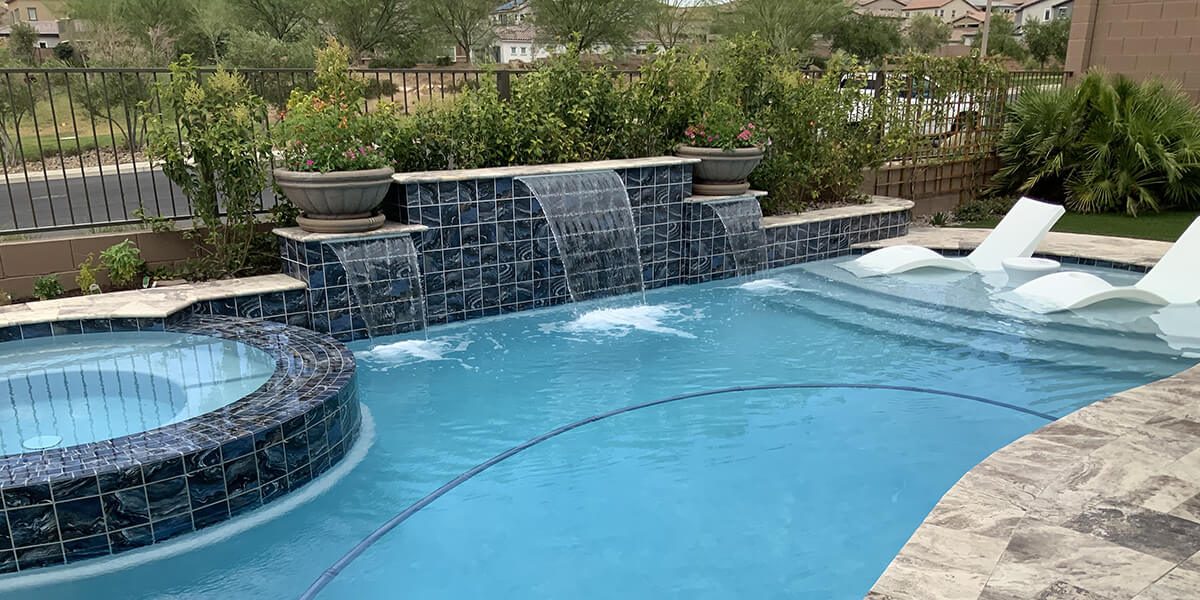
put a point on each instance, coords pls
(1016, 236)
(1174, 280)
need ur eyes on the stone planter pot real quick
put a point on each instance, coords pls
(337, 202)
(721, 172)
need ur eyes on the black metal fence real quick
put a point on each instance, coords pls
(71, 140)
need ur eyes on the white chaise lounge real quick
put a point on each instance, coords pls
(1174, 280)
(1016, 236)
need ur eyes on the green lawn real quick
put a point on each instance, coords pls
(1165, 226)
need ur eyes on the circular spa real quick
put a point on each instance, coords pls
(116, 440)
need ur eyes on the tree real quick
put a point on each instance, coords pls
(21, 43)
(212, 21)
(284, 20)
(582, 24)
(926, 33)
(868, 37)
(1047, 40)
(465, 21)
(675, 21)
(15, 105)
(1002, 39)
(367, 26)
(785, 24)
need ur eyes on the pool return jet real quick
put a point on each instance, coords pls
(1174, 280)
(1016, 236)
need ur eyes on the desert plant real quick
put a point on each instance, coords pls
(1109, 143)
(123, 262)
(47, 287)
(939, 219)
(86, 279)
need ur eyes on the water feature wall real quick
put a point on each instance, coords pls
(384, 279)
(725, 238)
(359, 285)
(486, 246)
(592, 223)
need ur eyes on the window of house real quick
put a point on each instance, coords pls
(953, 13)
(31, 12)
(1047, 15)
(1062, 12)
(41, 44)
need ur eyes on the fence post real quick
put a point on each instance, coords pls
(504, 84)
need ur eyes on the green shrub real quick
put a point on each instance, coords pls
(725, 126)
(221, 166)
(821, 140)
(666, 98)
(47, 287)
(567, 112)
(5, 298)
(123, 262)
(86, 279)
(1106, 144)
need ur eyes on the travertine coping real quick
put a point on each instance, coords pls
(523, 170)
(717, 199)
(389, 229)
(1103, 504)
(155, 303)
(875, 205)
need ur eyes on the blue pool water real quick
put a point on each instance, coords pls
(761, 494)
(58, 392)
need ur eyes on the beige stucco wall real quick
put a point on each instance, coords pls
(1139, 38)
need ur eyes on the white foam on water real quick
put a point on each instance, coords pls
(623, 320)
(767, 285)
(407, 352)
(204, 537)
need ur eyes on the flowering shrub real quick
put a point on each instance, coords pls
(327, 129)
(724, 126)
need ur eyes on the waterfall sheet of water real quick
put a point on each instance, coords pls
(592, 223)
(744, 235)
(384, 276)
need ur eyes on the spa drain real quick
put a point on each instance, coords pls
(41, 442)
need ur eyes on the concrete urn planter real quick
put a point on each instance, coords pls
(721, 172)
(336, 202)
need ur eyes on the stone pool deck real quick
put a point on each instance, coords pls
(1103, 504)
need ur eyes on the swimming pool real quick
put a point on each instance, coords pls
(766, 493)
(76, 390)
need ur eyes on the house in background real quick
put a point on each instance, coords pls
(965, 30)
(42, 15)
(1044, 10)
(881, 8)
(946, 10)
(513, 12)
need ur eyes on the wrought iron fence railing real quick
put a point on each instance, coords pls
(71, 139)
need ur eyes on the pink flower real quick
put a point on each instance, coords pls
(308, 163)
(744, 135)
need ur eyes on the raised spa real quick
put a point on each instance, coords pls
(116, 440)
(61, 392)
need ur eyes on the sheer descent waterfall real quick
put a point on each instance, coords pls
(744, 235)
(384, 277)
(592, 223)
